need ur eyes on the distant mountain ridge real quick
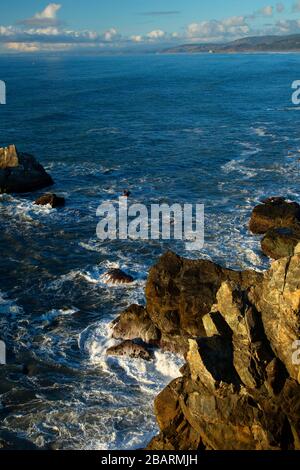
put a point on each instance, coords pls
(290, 43)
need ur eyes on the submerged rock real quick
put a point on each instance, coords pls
(274, 213)
(52, 200)
(240, 388)
(281, 242)
(20, 172)
(117, 276)
(134, 323)
(129, 349)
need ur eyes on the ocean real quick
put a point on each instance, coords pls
(219, 130)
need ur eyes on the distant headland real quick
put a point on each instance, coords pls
(290, 43)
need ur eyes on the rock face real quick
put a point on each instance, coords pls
(20, 172)
(52, 200)
(274, 213)
(129, 349)
(135, 323)
(278, 300)
(179, 294)
(240, 388)
(281, 242)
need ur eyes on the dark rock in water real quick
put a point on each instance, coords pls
(20, 172)
(11, 441)
(50, 199)
(274, 213)
(129, 349)
(274, 200)
(281, 242)
(134, 323)
(116, 276)
(240, 388)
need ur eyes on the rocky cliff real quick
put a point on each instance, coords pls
(240, 335)
(179, 293)
(20, 172)
(240, 386)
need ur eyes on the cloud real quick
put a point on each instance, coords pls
(296, 6)
(28, 47)
(47, 17)
(110, 34)
(156, 34)
(286, 27)
(280, 7)
(22, 46)
(216, 30)
(44, 32)
(266, 11)
(137, 38)
(160, 13)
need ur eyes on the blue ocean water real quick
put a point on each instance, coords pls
(214, 129)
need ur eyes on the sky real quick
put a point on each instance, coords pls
(108, 25)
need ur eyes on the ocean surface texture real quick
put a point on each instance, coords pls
(212, 129)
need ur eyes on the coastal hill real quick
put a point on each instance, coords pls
(290, 43)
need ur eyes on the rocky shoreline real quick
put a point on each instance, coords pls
(21, 173)
(239, 333)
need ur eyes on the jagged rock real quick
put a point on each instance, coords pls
(117, 276)
(8, 157)
(135, 323)
(129, 349)
(251, 352)
(52, 200)
(220, 415)
(281, 242)
(278, 300)
(180, 292)
(240, 388)
(20, 172)
(274, 213)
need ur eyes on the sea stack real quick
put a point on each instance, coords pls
(20, 172)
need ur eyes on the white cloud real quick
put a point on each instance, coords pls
(49, 12)
(156, 34)
(22, 46)
(110, 34)
(215, 30)
(6, 31)
(30, 47)
(296, 6)
(266, 11)
(287, 27)
(44, 32)
(137, 38)
(44, 18)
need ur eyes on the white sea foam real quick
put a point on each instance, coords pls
(96, 339)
